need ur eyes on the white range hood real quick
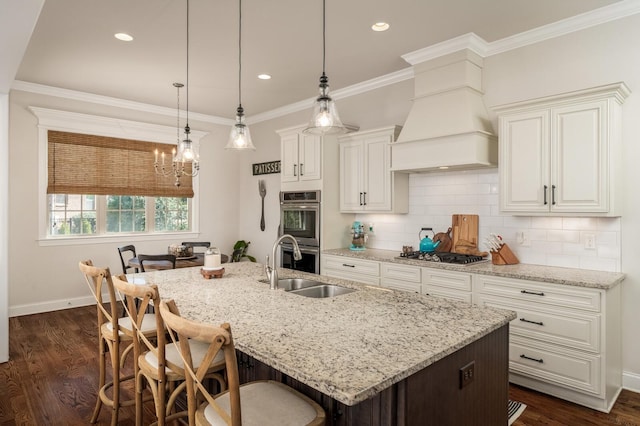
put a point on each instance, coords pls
(448, 125)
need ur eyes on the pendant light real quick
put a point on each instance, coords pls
(185, 151)
(325, 119)
(240, 137)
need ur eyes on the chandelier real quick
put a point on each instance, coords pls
(185, 152)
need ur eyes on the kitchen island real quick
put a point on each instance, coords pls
(372, 356)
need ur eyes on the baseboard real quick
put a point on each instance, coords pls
(631, 381)
(53, 305)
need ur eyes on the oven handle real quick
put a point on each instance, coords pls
(303, 249)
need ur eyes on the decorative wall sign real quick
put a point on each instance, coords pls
(266, 168)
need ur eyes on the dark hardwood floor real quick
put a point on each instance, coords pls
(52, 377)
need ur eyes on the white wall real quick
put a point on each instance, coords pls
(43, 278)
(4, 227)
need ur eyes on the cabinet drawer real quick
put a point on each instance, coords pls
(448, 279)
(563, 367)
(400, 272)
(538, 292)
(410, 287)
(351, 265)
(573, 329)
(463, 296)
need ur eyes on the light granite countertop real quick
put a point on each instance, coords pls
(349, 347)
(550, 274)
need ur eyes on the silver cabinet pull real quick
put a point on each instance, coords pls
(365, 198)
(301, 169)
(531, 322)
(535, 293)
(295, 166)
(545, 194)
(361, 198)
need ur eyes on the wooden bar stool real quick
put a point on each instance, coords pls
(113, 331)
(153, 359)
(264, 403)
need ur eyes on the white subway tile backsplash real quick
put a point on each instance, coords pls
(555, 241)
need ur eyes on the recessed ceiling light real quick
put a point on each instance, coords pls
(123, 36)
(380, 26)
(264, 76)
(443, 167)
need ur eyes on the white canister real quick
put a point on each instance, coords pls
(212, 258)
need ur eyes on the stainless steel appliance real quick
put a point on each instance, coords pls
(310, 261)
(444, 257)
(300, 218)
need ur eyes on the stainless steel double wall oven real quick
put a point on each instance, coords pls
(300, 217)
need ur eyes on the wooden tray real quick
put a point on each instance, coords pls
(212, 273)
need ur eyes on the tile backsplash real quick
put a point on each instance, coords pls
(551, 241)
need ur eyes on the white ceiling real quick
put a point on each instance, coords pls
(73, 47)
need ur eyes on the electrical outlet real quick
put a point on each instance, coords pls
(589, 241)
(467, 374)
(523, 238)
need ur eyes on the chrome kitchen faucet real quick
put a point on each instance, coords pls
(270, 268)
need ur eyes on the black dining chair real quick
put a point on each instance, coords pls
(157, 261)
(193, 244)
(125, 264)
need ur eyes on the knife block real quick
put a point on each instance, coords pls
(503, 256)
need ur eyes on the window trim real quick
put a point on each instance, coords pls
(65, 121)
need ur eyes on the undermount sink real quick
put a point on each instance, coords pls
(310, 288)
(322, 291)
(289, 284)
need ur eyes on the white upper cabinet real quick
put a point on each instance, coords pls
(366, 181)
(561, 154)
(301, 156)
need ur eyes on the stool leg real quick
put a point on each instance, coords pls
(115, 364)
(102, 379)
(139, 390)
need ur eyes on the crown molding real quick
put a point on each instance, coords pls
(470, 41)
(355, 89)
(576, 23)
(75, 95)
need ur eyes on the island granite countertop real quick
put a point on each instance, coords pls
(349, 347)
(550, 274)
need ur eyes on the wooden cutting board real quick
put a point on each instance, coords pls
(465, 232)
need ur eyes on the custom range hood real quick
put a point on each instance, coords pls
(448, 126)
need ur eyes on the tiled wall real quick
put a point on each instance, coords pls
(554, 241)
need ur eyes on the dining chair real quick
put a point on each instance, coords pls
(153, 355)
(157, 261)
(125, 264)
(115, 339)
(205, 244)
(263, 402)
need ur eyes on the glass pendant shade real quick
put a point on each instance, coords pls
(187, 151)
(324, 119)
(240, 137)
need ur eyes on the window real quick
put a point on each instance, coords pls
(97, 179)
(87, 215)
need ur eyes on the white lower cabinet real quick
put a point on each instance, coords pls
(349, 268)
(448, 284)
(565, 340)
(400, 277)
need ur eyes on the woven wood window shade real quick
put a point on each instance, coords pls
(88, 164)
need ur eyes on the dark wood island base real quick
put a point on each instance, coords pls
(435, 395)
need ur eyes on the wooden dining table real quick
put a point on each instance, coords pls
(181, 262)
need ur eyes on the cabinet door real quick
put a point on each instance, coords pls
(579, 158)
(310, 157)
(377, 177)
(524, 162)
(351, 172)
(289, 157)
